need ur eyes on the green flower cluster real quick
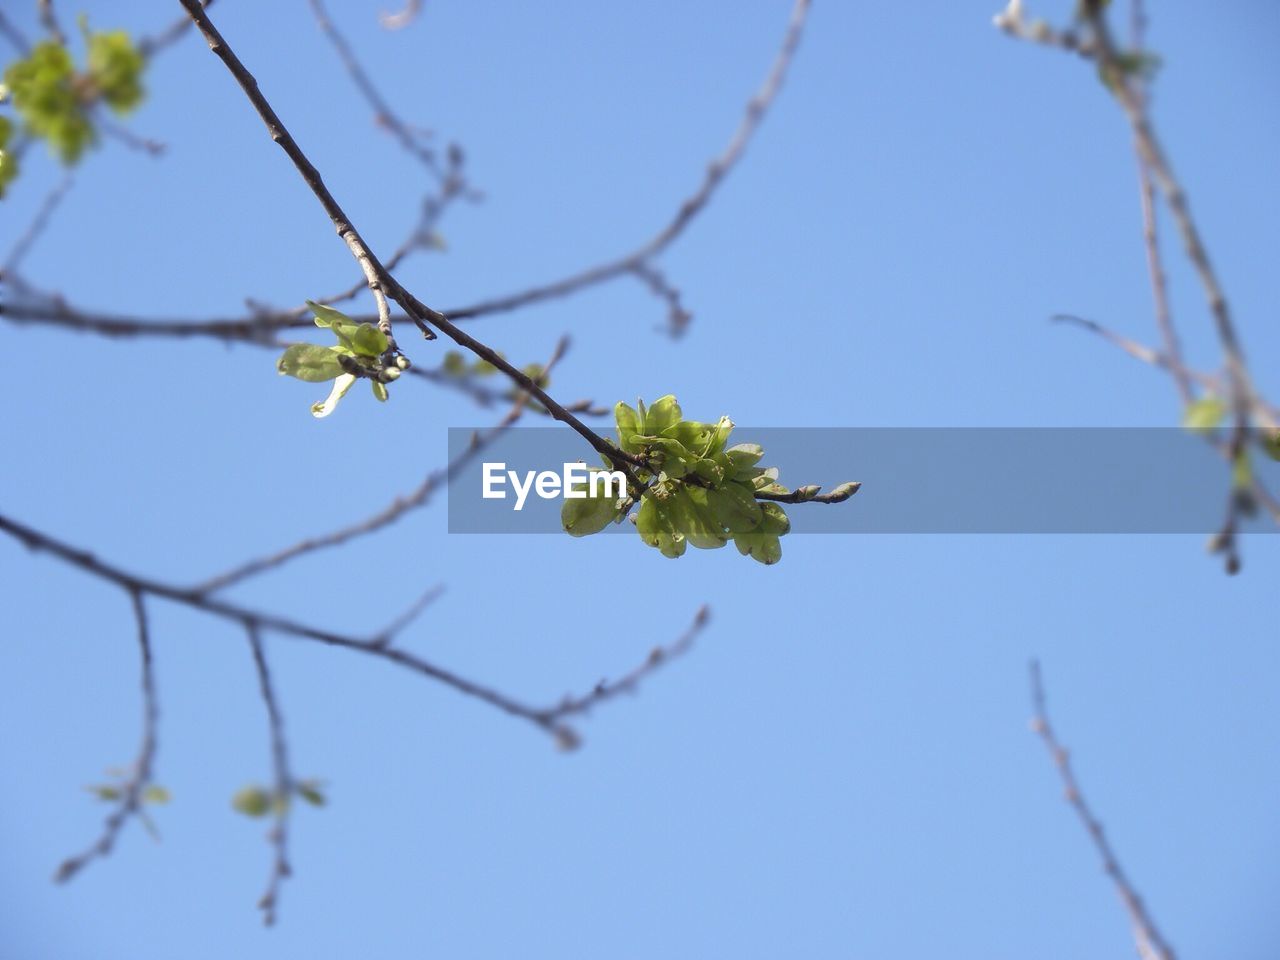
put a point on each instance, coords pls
(55, 100)
(696, 491)
(359, 353)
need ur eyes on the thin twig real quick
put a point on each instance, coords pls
(419, 312)
(36, 227)
(49, 20)
(629, 681)
(389, 514)
(153, 148)
(1151, 945)
(14, 35)
(133, 789)
(407, 616)
(384, 116)
(150, 46)
(1155, 266)
(549, 719)
(804, 495)
(757, 107)
(282, 798)
(263, 325)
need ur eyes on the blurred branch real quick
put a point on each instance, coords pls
(279, 835)
(22, 246)
(389, 514)
(1123, 74)
(551, 720)
(129, 803)
(384, 116)
(380, 281)
(639, 259)
(13, 35)
(1151, 945)
(150, 46)
(49, 20)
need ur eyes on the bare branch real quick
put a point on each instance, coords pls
(1151, 945)
(389, 514)
(410, 614)
(150, 46)
(689, 208)
(1155, 266)
(548, 719)
(49, 20)
(36, 227)
(384, 116)
(282, 799)
(419, 312)
(567, 737)
(132, 791)
(13, 35)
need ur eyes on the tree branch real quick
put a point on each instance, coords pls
(1151, 945)
(282, 798)
(132, 790)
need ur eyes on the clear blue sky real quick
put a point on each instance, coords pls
(843, 766)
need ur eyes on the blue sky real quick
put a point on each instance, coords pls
(842, 766)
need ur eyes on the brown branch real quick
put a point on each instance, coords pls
(49, 20)
(36, 227)
(689, 208)
(284, 786)
(1151, 945)
(132, 790)
(629, 681)
(380, 281)
(401, 505)
(14, 35)
(637, 262)
(549, 719)
(384, 116)
(809, 494)
(1150, 237)
(150, 46)
(417, 311)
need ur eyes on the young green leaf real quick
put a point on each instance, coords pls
(628, 421)
(735, 507)
(309, 790)
(583, 517)
(309, 362)
(662, 416)
(1203, 415)
(764, 547)
(252, 801)
(368, 341)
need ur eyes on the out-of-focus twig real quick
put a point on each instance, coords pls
(1150, 943)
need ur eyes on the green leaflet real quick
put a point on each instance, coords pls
(582, 517)
(1203, 415)
(309, 362)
